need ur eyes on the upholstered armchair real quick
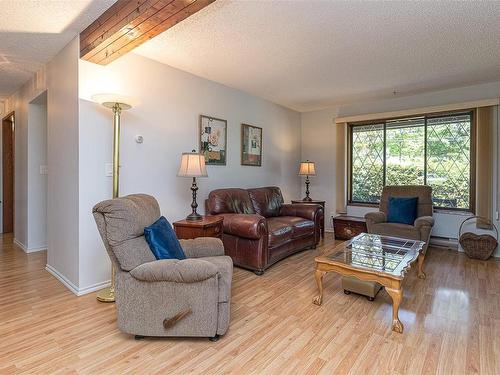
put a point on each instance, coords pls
(376, 222)
(170, 297)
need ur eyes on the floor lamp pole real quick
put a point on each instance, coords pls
(108, 294)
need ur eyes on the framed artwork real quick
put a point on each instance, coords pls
(213, 140)
(251, 145)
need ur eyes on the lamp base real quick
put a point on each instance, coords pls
(194, 217)
(106, 295)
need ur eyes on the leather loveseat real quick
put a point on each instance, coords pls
(259, 229)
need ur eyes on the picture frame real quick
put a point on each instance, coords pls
(213, 140)
(251, 145)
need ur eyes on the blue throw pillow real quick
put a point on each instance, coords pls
(402, 210)
(162, 240)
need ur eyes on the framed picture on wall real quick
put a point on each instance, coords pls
(251, 145)
(213, 140)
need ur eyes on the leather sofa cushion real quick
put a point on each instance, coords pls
(285, 228)
(279, 230)
(232, 201)
(266, 201)
(301, 227)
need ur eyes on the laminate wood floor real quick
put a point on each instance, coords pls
(451, 319)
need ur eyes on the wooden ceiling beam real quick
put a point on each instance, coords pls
(129, 23)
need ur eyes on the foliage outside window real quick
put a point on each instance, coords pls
(427, 150)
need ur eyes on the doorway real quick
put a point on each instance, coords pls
(8, 134)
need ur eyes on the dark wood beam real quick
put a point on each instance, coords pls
(129, 23)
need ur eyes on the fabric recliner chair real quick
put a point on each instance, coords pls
(376, 223)
(169, 297)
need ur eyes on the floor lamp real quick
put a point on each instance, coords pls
(117, 104)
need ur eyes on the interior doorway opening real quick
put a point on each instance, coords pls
(37, 173)
(7, 200)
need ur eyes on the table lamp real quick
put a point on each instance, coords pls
(193, 165)
(117, 103)
(307, 169)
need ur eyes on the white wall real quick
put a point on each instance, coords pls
(168, 119)
(37, 182)
(319, 123)
(317, 136)
(62, 160)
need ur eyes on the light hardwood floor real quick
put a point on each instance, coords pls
(452, 324)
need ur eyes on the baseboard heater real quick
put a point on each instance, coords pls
(448, 243)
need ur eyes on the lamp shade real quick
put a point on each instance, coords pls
(109, 100)
(307, 168)
(192, 165)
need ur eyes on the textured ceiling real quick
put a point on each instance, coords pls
(312, 54)
(33, 31)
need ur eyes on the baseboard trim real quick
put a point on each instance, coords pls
(94, 287)
(449, 243)
(72, 287)
(29, 250)
(59, 276)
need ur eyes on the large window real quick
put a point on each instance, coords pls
(432, 150)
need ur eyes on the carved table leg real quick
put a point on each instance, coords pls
(397, 296)
(318, 275)
(421, 273)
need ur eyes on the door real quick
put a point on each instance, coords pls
(8, 124)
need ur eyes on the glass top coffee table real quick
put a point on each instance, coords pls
(371, 257)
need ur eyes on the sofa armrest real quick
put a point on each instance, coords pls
(202, 247)
(303, 210)
(375, 218)
(424, 221)
(250, 226)
(174, 270)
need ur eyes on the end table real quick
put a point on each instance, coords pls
(321, 203)
(208, 226)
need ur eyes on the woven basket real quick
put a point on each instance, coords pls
(478, 246)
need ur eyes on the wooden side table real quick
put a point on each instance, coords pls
(322, 203)
(209, 226)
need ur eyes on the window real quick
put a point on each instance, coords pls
(434, 150)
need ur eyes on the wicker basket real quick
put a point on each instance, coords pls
(478, 246)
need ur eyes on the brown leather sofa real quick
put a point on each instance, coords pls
(259, 229)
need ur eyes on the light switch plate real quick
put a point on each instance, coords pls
(108, 169)
(44, 170)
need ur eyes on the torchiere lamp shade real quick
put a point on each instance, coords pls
(307, 168)
(192, 165)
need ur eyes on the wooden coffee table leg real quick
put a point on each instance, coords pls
(318, 275)
(397, 296)
(421, 273)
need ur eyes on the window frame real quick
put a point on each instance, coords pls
(426, 116)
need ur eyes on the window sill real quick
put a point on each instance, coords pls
(371, 205)
(453, 212)
(436, 210)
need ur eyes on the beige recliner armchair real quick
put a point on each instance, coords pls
(376, 223)
(170, 297)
